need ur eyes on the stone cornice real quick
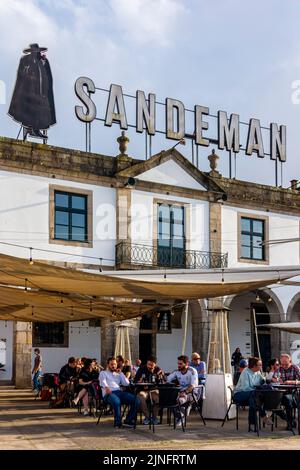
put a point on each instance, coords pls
(91, 168)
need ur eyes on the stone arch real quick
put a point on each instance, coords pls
(293, 314)
(290, 311)
(240, 321)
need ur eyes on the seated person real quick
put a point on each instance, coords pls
(111, 381)
(289, 375)
(243, 364)
(273, 374)
(150, 373)
(67, 373)
(135, 367)
(200, 367)
(123, 365)
(244, 392)
(187, 378)
(96, 369)
(84, 387)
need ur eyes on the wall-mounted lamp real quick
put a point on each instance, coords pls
(130, 182)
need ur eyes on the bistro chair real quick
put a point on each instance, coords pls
(168, 399)
(237, 405)
(197, 403)
(270, 400)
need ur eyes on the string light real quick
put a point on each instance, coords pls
(30, 256)
(222, 276)
(270, 299)
(26, 288)
(257, 298)
(100, 266)
(32, 310)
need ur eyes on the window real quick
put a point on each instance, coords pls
(171, 235)
(70, 216)
(252, 234)
(50, 334)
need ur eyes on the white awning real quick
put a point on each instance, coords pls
(43, 292)
(290, 327)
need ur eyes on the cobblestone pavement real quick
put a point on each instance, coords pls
(26, 423)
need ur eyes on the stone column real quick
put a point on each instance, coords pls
(107, 332)
(22, 358)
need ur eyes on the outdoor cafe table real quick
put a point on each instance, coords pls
(289, 388)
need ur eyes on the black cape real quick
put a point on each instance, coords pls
(32, 103)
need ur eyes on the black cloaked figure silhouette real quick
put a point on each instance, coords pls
(32, 102)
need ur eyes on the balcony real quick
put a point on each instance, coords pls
(135, 256)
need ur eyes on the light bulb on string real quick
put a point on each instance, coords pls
(257, 298)
(30, 256)
(100, 266)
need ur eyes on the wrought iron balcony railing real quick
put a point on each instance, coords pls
(147, 256)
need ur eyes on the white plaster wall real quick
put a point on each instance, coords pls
(142, 219)
(169, 347)
(6, 333)
(239, 326)
(24, 218)
(280, 226)
(171, 173)
(84, 341)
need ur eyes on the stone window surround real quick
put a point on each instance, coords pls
(68, 189)
(249, 215)
(187, 209)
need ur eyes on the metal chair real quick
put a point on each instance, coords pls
(168, 399)
(237, 405)
(269, 400)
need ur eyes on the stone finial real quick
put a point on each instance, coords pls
(213, 161)
(123, 141)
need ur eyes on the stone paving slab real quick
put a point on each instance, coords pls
(26, 423)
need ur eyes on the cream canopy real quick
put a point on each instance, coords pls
(290, 327)
(43, 292)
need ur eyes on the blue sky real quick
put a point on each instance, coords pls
(231, 55)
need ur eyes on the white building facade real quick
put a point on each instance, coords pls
(90, 211)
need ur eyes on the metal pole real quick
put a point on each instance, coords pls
(197, 156)
(146, 145)
(193, 158)
(230, 164)
(185, 327)
(150, 145)
(276, 172)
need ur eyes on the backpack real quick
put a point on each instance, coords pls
(46, 394)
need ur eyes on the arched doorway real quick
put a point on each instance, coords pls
(292, 341)
(248, 311)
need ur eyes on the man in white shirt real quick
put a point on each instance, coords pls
(187, 377)
(111, 382)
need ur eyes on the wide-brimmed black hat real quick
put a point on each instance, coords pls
(34, 48)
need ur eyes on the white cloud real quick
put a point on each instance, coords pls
(149, 22)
